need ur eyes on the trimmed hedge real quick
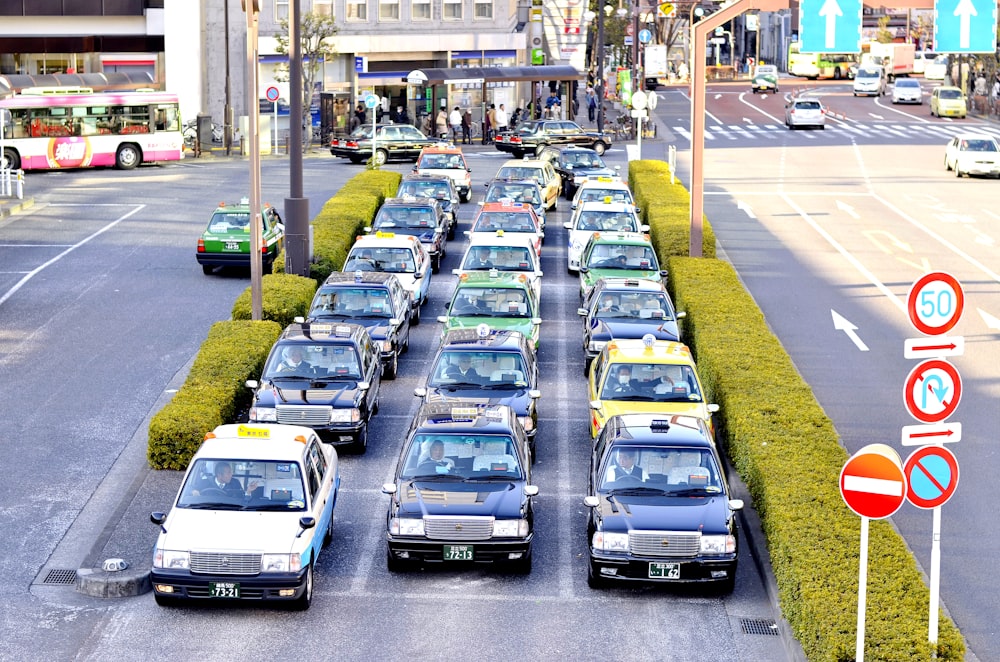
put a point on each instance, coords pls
(666, 209)
(214, 391)
(284, 297)
(789, 455)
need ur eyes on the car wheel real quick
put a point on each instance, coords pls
(305, 600)
(128, 157)
(947, 166)
(389, 372)
(555, 203)
(452, 229)
(207, 269)
(466, 197)
(436, 264)
(958, 173)
(355, 159)
(518, 154)
(599, 148)
(328, 536)
(594, 580)
(11, 159)
(415, 316)
(381, 156)
(360, 444)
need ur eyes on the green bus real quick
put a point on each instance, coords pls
(820, 65)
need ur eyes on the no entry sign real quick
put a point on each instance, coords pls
(932, 476)
(872, 482)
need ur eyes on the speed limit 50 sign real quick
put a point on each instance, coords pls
(935, 303)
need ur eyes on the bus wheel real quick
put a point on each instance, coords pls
(836, 74)
(11, 160)
(128, 157)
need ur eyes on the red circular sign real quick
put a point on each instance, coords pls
(935, 303)
(872, 482)
(933, 390)
(272, 93)
(932, 476)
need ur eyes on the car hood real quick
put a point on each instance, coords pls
(625, 513)
(595, 274)
(336, 393)
(611, 408)
(592, 172)
(438, 497)
(633, 328)
(515, 398)
(231, 530)
(425, 235)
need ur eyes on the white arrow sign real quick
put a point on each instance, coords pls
(831, 10)
(991, 321)
(844, 207)
(841, 324)
(965, 11)
(742, 206)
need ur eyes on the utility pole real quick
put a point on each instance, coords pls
(296, 206)
(252, 8)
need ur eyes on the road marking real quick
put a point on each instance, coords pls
(31, 274)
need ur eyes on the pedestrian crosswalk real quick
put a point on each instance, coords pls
(838, 129)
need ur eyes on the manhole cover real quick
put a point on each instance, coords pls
(60, 577)
(765, 626)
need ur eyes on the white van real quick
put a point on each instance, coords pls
(870, 81)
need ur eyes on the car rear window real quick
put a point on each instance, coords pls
(807, 105)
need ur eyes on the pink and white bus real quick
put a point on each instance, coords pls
(48, 129)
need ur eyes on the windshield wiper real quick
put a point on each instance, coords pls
(214, 505)
(273, 506)
(435, 476)
(487, 477)
(499, 385)
(691, 491)
(280, 376)
(637, 490)
(634, 398)
(456, 385)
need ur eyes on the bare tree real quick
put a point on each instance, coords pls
(314, 34)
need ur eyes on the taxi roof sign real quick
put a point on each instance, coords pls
(252, 432)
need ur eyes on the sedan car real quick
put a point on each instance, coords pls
(948, 101)
(422, 218)
(226, 240)
(804, 112)
(438, 187)
(525, 191)
(601, 189)
(623, 254)
(765, 79)
(575, 166)
(602, 216)
(972, 154)
(660, 507)
(533, 136)
(402, 255)
(392, 141)
(937, 68)
(447, 160)
(503, 252)
(541, 172)
(508, 217)
(499, 300)
(907, 90)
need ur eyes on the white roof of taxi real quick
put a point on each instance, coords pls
(518, 239)
(601, 182)
(258, 441)
(600, 205)
(398, 240)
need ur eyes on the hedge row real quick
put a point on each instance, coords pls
(215, 391)
(667, 209)
(789, 455)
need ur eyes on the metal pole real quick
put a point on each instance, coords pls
(227, 110)
(599, 87)
(636, 84)
(932, 630)
(859, 642)
(253, 140)
(297, 255)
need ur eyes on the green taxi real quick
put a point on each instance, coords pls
(765, 79)
(504, 301)
(226, 240)
(617, 254)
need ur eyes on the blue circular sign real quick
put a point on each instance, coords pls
(272, 93)
(645, 36)
(371, 101)
(932, 476)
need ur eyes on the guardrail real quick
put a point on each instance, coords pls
(11, 183)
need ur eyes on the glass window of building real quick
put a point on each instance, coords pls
(357, 10)
(421, 10)
(323, 7)
(388, 10)
(484, 10)
(453, 10)
(280, 10)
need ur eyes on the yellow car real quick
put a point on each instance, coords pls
(537, 170)
(948, 102)
(645, 376)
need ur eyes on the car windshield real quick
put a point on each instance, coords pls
(978, 145)
(604, 221)
(585, 160)
(514, 192)
(906, 82)
(240, 484)
(521, 172)
(347, 302)
(949, 94)
(868, 73)
(477, 368)
(663, 470)
(502, 258)
(456, 457)
(621, 256)
(424, 190)
(807, 105)
(392, 260)
(440, 162)
(491, 302)
(613, 195)
(656, 382)
(312, 361)
(508, 221)
(402, 217)
(224, 222)
(633, 305)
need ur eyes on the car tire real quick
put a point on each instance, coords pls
(958, 173)
(207, 269)
(391, 368)
(304, 601)
(555, 203)
(415, 316)
(518, 154)
(594, 580)
(328, 535)
(360, 445)
(380, 157)
(599, 148)
(452, 229)
(947, 166)
(436, 264)
(355, 159)
(466, 197)
(128, 157)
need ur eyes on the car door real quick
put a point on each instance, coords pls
(573, 134)
(319, 481)
(371, 365)
(401, 310)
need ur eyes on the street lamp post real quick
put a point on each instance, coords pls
(599, 87)
(696, 10)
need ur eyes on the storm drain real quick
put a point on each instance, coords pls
(56, 576)
(765, 626)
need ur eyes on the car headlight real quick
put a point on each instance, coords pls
(718, 544)
(263, 414)
(596, 346)
(280, 562)
(406, 526)
(383, 345)
(611, 542)
(352, 415)
(510, 528)
(171, 558)
(526, 422)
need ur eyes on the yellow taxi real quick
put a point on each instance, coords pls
(645, 376)
(536, 170)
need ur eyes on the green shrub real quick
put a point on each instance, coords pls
(283, 296)
(666, 208)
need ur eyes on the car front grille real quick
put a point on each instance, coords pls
(667, 544)
(223, 563)
(458, 528)
(304, 414)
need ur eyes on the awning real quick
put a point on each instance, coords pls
(497, 74)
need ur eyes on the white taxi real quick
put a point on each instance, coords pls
(601, 188)
(598, 216)
(250, 519)
(509, 218)
(400, 254)
(503, 252)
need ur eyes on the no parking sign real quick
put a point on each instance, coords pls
(931, 476)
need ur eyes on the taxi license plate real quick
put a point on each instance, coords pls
(664, 570)
(232, 245)
(223, 590)
(458, 552)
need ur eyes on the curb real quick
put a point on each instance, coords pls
(19, 206)
(118, 584)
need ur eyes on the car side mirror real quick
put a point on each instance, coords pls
(595, 404)
(534, 394)
(364, 386)
(582, 312)
(681, 315)
(443, 319)
(252, 384)
(388, 488)
(736, 504)
(591, 501)
(530, 490)
(420, 392)
(712, 408)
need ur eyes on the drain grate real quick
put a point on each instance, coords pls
(765, 626)
(60, 577)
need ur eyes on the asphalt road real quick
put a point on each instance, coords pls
(103, 306)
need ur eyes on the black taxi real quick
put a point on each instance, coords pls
(487, 366)
(462, 491)
(324, 376)
(422, 218)
(439, 187)
(375, 300)
(660, 507)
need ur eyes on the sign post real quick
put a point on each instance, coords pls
(272, 96)
(370, 102)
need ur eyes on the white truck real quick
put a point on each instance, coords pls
(895, 59)
(656, 64)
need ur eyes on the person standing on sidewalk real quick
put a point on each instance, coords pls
(501, 119)
(491, 123)
(441, 124)
(455, 122)
(467, 127)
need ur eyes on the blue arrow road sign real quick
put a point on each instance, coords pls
(830, 26)
(965, 26)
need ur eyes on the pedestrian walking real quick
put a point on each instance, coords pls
(591, 98)
(491, 121)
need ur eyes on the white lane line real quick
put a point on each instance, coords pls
(563, 522)
(31, 274)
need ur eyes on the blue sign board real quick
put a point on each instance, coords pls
(360, 64)
(965, 26)
(645, 36)
(830, 26)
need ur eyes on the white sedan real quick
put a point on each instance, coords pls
(973, 154)
(907, 90)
